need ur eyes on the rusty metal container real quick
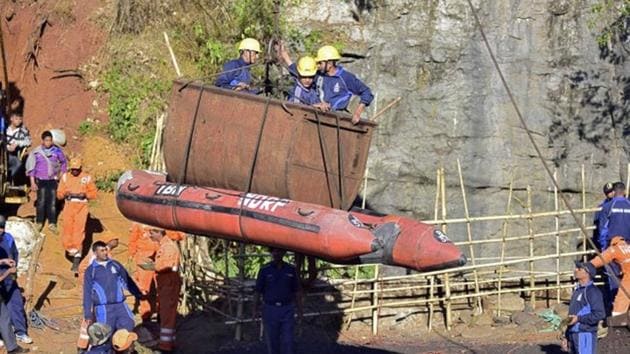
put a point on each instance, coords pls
(226, 139)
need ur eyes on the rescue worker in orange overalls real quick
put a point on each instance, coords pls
(168, 284)
(618, 252)
(142, 247)
(84, 339)
(76, 188)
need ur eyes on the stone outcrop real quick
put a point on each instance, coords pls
(571, 91)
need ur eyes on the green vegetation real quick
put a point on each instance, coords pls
(608, 19)
(108, 182)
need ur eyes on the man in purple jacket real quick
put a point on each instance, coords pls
(44, 166)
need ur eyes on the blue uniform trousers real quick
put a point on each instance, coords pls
(583, 342)
(15, 304)
(117, 316)
(6, 330)
(279, 322)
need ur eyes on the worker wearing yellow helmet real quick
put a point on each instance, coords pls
(304, 90)
(236, 75)
(336, 85)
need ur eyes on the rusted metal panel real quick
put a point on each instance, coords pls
(212, 135)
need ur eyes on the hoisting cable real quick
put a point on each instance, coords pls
(339, 162)
(539, 153)
(252, 168)
(322, 149)
(184, 170)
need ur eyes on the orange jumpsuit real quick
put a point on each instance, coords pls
(141, 247)
(168, 285)
(75, 211)
(619, 252)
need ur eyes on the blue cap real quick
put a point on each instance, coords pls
(588, 267)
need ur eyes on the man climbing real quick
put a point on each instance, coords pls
(336, 85)
(586, 309)
(236, 74)
(104, 288)
(10, 289)
(75, 188)
(168, 283)
(44, 166)
(619, 253)
(18, 140)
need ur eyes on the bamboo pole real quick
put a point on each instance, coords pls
(504, 236)
(521, 237)
(526, 216)
(238, 335)
(438, 188)
(385, 109)
(375, 302)
(530, 229)
(431, 301)
(583, 174)
(356, 267)
(173, 58)
(446, 276)
(471, 249)
(557, 222)
(628, 179)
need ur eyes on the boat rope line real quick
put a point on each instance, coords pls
(539, 153)
(178, 203)
(323, 153)
(191, 133)
(339, 162)
(250, 179)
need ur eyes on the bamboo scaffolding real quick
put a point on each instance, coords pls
(471, 249)
(450, 290)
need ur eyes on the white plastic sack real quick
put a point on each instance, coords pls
(25, 235)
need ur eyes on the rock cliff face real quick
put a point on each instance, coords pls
(571, 92)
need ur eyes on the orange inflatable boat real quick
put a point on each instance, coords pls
(331, 234)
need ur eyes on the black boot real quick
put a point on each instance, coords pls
(76, 260)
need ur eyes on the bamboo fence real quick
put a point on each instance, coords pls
(530, 255)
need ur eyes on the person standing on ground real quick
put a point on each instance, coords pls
(236, 74)
(278, 284)
(586, 309)
(614, 218)
(18, 140)
(168, 284)
(608, 196)
(76, 188)
(104, 286)
(337, 85)
(84, 339)
(10, 288)
(141, 248)
(619, 253)
(44, 166)
(8, 268)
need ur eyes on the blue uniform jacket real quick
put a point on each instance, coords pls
(105, 285)
(277, 285)
(338, 89)
(301, 94)
(8, 249)
(614, 220)
(596, 231)
(587, 303)
(230, 77)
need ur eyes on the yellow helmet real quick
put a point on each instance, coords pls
(76, 163)
(249, 44)
(307, 66)
(326, 53)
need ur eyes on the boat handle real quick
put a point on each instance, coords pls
(133, 187)
(212, 197)
(305, 212)
(286, 109)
